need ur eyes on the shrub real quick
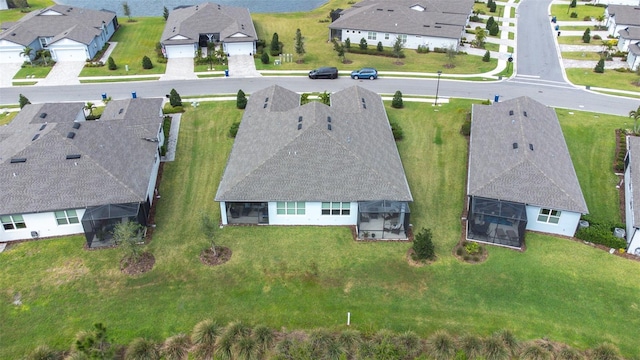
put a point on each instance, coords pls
(574, 15)
(384, 52)
(459, 251)
(275, 45)
(422, 49)
(597, 37)
(487, 56)
(265, 58)
(441, 346)
(146, 63)
(347, 44)
(111, 63)
(397, 100)
(423, 245)
(494, 349)
(492, 7)
(174, 98)
(241, 100)
(490, 23)
(23, 101)
(535, 352)
(605, 352)
(471, 345)
(587, 18)
(168, 109)
(363, 44)
(379, 47)
(466, 128)
(599, 67)
(494, 29)
(586, 37)
(398, 134)
(141, 348)
(601, 233)
(472, 247)
(43, 352)
(573, 4)
(568, 353)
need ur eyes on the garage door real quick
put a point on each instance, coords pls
(242, 48)
(70, 55)
(10, 56)
(180, 51)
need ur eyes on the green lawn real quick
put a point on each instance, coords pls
(35, 71)
(561, 14)
(553, 289)
(577, 40)
(17, 14)
(580, 55)
(610, 79)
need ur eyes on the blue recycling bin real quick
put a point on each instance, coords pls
(496, 98)
(553, 20)
(557, 27)
(226, 72)
(104, 96)
(134, 95)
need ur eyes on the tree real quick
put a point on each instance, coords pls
(299, 47)
(111, 63)
(23, 101)
(338, 47)
(599, 67)
(27, 52)
(493, 7)
(142, 349)
(241, 100)
(398, 45)
(89, 107)
(126, 10)
(487, 56)
(586, 37)
(379, 47)
(174, 98)
(208, 225)
(275, 45)
(494, 30)
(94, 343)
(363, 44)
(423, 245)
(397, 100)
(146, 63)
(264, 58)
(600, 19)
(451, 56)
(325, 98)
(490, 22)
(347, 44)
(635, 115)
(128, 236)
(165, 13)
(45, 55)
(574, 4)
(481, 37)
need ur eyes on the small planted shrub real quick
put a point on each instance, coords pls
(241, 100)
(586, 37)
(422, 49)
(597, 37)
(423, 245)
(174, 98)
(487, 56)
(23, 101)
(599, 67)
(574, 15)
(396, 103)
(363, 44)
(379, 47)
(146, 63)
(265, 58)
(111, 64)
(398, 134)
(233, 130)
(347, 44)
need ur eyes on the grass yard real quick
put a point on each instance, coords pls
(561, 14)
(135, 40)
(580, 55)
(39, 72)
(610, 79)
(17, 14)
(577, 40)
(307, 277)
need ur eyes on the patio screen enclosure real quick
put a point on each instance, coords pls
(496, 221)
(99, 221)
(383, 219)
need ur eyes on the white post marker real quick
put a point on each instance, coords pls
(348, 319)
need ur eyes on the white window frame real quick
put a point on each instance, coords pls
(403, 38)
(13, 222)
(549, 216)
(290, 208)
(372, 35)
(386, 36)
(336, 208)
(66, 217)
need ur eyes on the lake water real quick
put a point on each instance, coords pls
(154, 8)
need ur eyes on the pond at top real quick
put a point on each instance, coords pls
(154, 7)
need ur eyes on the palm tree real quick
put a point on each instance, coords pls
(45, 55)
(204, 337)
(89, 107)
(27, 52)
(635, 115)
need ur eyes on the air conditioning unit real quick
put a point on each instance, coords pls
(35, 234)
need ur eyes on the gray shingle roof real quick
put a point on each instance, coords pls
(635, 48)
(208, 18)
(625, 14)
(544, 176)
(78, 24)
(115, 164)
(634, 169)
(271, 160)
(439, 18)
(632, 32)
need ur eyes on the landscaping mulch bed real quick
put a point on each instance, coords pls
(144, 264)
(208, 258)
(477, 258)
(417, 263)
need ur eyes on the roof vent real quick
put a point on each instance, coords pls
(43, 126)
(379, 9)
(390, 10)
(76, 125)
(362, 99)
(18, 160)
(531, 147)
(364, 106)
(120, 111)
(510, 112)
(266, 99)
(426, 25)
(43, 115)
(299, 118)
(525, 113)
(329, 127)
(73, 156)
(437, 26)
(515, 145)
(299, 126)
(71, 135)
(35, 137)
(328, 119)
(264, 106)
(242, 26)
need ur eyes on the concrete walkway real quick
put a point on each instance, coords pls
(63, 73)
(105, 56)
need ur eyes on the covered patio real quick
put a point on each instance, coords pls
(496, 222)
(383, 220)
(247, 212)
(99, 221)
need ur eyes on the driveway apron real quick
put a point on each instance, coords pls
(8, 72)
(242, 66)
(179, 69)
(63, 73)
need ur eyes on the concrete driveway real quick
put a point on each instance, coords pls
(8, 72)
(63, 73)
(242, 66)
(179, 69)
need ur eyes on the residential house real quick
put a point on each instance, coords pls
(430, 23)
(315, 164)
(628, 36)
(633, 57)
(632, 195)
(193, 28)
(69, 33)
(620, 17)
(521, 176)
(62, 175)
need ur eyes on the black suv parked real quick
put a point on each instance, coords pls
(324, 73)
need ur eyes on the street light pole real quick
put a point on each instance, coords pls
(437, 88)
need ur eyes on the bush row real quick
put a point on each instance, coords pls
(601, 233)
(374, 51)
(622, 150)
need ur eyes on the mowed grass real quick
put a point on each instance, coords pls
(135, 40)
(581, 55)
(308, 277)
(610, 79)
(17, 14)
(561, 13)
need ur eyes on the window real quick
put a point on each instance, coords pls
(66, 217)
(403, 38)
(386, 36)
(13, 222)
(549, 216)
(290, 208)
(336, 208)
(372, 35)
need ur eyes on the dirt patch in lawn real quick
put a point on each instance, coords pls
(223, 254)
(144, 264)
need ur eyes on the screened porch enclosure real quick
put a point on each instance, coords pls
(247, 212)
(384, 220)
(496, 221)
(99, 221)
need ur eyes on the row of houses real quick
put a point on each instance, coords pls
(623, 22)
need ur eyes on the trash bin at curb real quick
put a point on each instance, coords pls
(226, 72)
(134, 95)
(104, 96)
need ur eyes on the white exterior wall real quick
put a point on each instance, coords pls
(633, 61)
(10, 52)
(313, 216)
(566, 226)
(632, 233)
(634, 241)
(46, 226)
(413, 41)
(223, 213)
